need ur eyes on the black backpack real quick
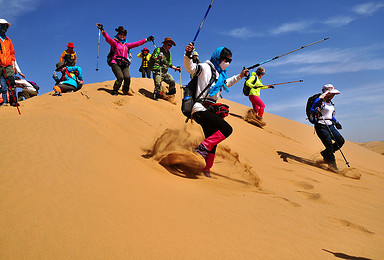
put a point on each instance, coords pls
(311, 118)
(247, 89)
(190, 98)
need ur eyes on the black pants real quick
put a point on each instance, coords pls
(145, 72)
(211, 123)
(121, 74)
(326, 135)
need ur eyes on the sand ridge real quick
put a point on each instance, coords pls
(80, 178)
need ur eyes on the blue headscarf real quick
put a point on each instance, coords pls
(220, 83)
(120, 40)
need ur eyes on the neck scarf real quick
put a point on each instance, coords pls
(121, 40)
(220, 83)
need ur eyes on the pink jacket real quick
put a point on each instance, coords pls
(121, 49)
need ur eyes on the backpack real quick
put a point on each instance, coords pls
(311, 118)
(190, 98)
(35, 86)
(246, 88)
(79, 83)
(68, 61)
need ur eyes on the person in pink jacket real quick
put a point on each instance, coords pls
(117, 57)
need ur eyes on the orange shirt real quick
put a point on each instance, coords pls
(8, 54)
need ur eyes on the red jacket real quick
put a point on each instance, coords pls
(8, 54)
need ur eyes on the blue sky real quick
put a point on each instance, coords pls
(352, 59)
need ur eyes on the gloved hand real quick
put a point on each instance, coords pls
(150, 39)
(338, 125)
(271, 87)
(100, 26)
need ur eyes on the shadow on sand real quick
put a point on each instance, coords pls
(344, 256)
(317, 164)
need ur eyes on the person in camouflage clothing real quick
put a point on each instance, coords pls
(161, 62)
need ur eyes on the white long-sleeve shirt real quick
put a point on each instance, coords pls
(24, 84)
(203, 80)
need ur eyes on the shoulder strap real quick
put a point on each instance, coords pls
(211, 81)
(67, 72)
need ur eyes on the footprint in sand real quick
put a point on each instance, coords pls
(304, 185)
(310, 195)
(346, 223)
(183, 162)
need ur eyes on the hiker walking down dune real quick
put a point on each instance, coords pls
(326, 125)
(71, 79)
(161, 59)
(117, 57)
(68, 57)
(7, 63)
(254, 82)
(212, 79)
(144, 69)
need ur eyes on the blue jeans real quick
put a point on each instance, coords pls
(326, 135)
(4, 89)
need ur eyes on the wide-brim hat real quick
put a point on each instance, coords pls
(145, 49)
(168, 39)
(59, 65)
(3, 21)
(121, 30)
(331, 89)
(70, 45)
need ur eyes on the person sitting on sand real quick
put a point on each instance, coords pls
(118, 59)
(70, 80)
(325, 124)
(254, 82)
(215, 128)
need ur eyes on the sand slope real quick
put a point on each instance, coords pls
(80, 179)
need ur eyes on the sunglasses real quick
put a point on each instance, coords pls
(227, 60)
(169, 44)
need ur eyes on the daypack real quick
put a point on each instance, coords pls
(311, 118)
(190, 98)
(246, 88)
(79, 83)
(35, 86)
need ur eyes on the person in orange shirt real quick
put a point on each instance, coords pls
(7, 62)
(68, 57)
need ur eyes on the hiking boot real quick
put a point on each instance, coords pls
(332, 166)
(207, 174)
(156, 95)
(15, 104)
(325, 157)
(202, 150)
(130, 92)
(258, 117)
(57, 94)
(114, 93)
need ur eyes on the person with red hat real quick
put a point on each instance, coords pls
(68, 57)
(145, 56)
(161, 58)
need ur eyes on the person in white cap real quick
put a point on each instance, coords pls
(7, 63)
(326, 124)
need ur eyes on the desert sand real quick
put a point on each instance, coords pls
(377, 146)
(80, 179)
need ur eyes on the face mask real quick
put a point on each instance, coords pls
(3, 29)
(223, 65)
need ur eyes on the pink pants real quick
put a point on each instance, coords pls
(257, 104)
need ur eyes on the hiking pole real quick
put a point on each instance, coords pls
(181, 85)
(276, 84)
(9, 84)
(333, 137)
(302, 47)
(202, 22)
(98, 49)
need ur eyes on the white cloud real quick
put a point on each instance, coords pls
(11, 9)
(339, 21)
(367, 8)
(242, 33)
(331, 61)
(292, 27)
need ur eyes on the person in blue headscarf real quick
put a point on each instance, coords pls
(212, 80)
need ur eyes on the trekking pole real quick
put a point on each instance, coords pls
(181, 85)
(333, 137)
(9, 87)
(98, 49)
(276, 84)
(202, 22)
(302, 47)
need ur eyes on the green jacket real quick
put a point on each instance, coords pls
(165, 63)
(255, 86)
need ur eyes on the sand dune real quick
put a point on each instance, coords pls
(377, 146)
(80, 179)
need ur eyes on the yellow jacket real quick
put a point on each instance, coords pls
(255, 86)
(145, 60)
